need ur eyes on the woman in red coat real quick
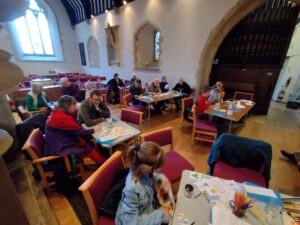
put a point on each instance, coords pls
(203, 103)
(64, 136)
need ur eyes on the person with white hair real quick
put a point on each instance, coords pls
(89, 86)
(133, 79)
(154, 86)
(36, 99)
(70, 89)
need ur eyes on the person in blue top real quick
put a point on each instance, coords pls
(136, 205)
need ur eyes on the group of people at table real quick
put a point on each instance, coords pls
(64, 135)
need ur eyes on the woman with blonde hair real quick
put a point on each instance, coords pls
(136, 205)
(36, 99)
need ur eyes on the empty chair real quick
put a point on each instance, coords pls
(102, 78)
(242, 95)
(186, 103)
(175, 163)
(241, 159)
(96, 187)
(95, 79)
(203, 130)
(72, 80)
(131, 116)
(34, 146)
(127, 101)
(27, 83)
(83, 79)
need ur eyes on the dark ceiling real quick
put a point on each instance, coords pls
(80, 10)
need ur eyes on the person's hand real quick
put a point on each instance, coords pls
(43, 110)
(166, 185)
(97, 128)
(167, 212)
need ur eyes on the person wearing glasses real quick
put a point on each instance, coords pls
(93, 110)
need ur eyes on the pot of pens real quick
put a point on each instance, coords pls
(240, 204)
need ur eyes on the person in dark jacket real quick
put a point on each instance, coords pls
(133, 79)
(64, 136)
(164, 85)
(69, 88)
(181, 87)
(136, 90)
(115, 83)
(93, 110)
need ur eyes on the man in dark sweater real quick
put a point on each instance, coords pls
(93, 110)
(136, 90)
(69, 88)
(114, 84)
(181, 87)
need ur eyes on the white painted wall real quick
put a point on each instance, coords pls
(291, 67)
(184, 24)
(69, 43)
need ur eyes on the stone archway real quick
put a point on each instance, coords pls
(241, 9)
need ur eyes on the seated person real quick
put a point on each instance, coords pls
(153, 87)
(136, 90)
(215, 96)
(164, 85)
(114, 84)
(136, 205)
(89, 86)
(36, 99)
(64, 135)
(181, 87)
(202, 104)
(133, 79)
(69, 88)
(217, 93)
(93, 110)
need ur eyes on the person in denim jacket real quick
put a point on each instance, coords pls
(136, 205)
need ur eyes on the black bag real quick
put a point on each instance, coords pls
(110, 203)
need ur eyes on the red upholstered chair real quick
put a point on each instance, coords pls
(97, 185)
(34, 146)
(127, 101)
(131, 116)
(95, 79)
(72, 80)
(83, 79)
(127, 82)
(102, 78)
(175, 163)
(240, 175)
(185, 103)
(242, 95)
(203, 130)
(27, 83)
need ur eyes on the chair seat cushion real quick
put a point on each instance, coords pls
(205, 125)
(174, 165)
(102, 220)
(138, 108)
(240, 175)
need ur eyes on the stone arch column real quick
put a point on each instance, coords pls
(241, 9)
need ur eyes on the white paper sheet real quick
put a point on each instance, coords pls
(260, 191)
(224, 216)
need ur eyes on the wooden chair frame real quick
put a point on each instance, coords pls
(84, 188)
(195, 131)
(38, 161)
(242, 92)
(182, 112)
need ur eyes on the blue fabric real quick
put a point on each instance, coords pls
(239, 151)
(218, 113)
(135, 207)
(236, 109)
(108, 142)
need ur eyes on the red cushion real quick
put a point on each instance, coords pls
(102, 220)
(139, 108)
(240, 175)
(174, 165)
(205, 125)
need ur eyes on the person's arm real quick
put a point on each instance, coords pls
(121, 84)
(176, 87)
(104, 110)
(85, 116)
(81, 132)
(130, 212)
(29, 104)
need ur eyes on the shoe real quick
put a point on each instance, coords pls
(289, 156)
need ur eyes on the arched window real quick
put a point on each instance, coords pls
(35, 35)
